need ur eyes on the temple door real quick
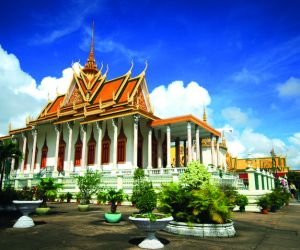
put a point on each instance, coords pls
(140, 149)
(61, 158)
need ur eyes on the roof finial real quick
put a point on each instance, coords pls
(91, 63)
(204, 114)
(131, 67)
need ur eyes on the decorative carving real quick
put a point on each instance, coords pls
(136, 119)
(75, 98)
(70, 125)
(99, 125)
(57, 128)
(139, 101)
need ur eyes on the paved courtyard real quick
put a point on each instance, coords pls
(67, 228)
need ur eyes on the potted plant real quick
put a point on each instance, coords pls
(62, 197)
(114, 197)
(69, 196)
(145, 220)
(47, 189)
(88, 184)
(264, 203)
(199, 208)
(241, 201)
(27, 204)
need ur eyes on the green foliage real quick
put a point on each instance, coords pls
(264, 202)
(241, 200)
(195, 176)
(278, 198)
(8, 150)
(205, 205)
(231, 194)
(143, 194)
(47, 189)
(113, 196)
(27, 193)
(62, 197)
(69, 196)
(88, 185)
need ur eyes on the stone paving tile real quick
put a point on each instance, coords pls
(66, 228)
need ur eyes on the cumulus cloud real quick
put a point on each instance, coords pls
(237, 117)
(291, 88)
(177, 99)
(21, 95)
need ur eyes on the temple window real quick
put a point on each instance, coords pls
(61, 153)
(91, 149)
(44, 155)
(105, 148)
(78, 151)
(122, 146)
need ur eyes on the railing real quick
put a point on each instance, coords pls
(124, 178)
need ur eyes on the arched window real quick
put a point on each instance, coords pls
(44, 154)
(78, 151)
(154, 150)
(140, 148)
(61, 153)
(122, 145)
(105, 148)
(91, 149)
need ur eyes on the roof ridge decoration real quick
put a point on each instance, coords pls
(91, 66)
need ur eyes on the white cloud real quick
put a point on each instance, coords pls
(291, 88)
(295, 139)
(245, 76)
(177, 99)
(20, 94)
(237, 117)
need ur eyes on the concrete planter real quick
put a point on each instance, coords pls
(112, 218)
(25, 207)
(42, 210)
(83, 208)
(201, 230)
(150, 227)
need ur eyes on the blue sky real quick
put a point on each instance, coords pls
(245, 54)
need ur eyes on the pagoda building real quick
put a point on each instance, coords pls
(108, 125)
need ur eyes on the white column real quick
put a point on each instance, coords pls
(24, 137)
(259, 179)
(99, 151)
(218, 151)
(197, 143)
(189, 139)
(70, 167)
(150, 148)
(251, 179)
(34, 134)
(135, 139)
(57, 130)
(159, 149)
(83, 155)
(212, 149)
(168, 146)
(115, 142)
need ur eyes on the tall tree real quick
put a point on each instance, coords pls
(8, 150)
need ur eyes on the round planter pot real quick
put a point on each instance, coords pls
(242, 209)
(83, 208)
(25, 207)
(265, 211)
(144, 224)
(201, 230)
(42, 210)
(112, 218)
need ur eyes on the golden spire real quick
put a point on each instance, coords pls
(204, 114)
(91, 65)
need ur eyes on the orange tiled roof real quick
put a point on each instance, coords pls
(55, 104)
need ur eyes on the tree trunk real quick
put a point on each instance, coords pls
(113, 207)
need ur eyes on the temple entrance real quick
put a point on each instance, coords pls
(154, 151)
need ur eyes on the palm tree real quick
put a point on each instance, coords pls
(8, 150)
